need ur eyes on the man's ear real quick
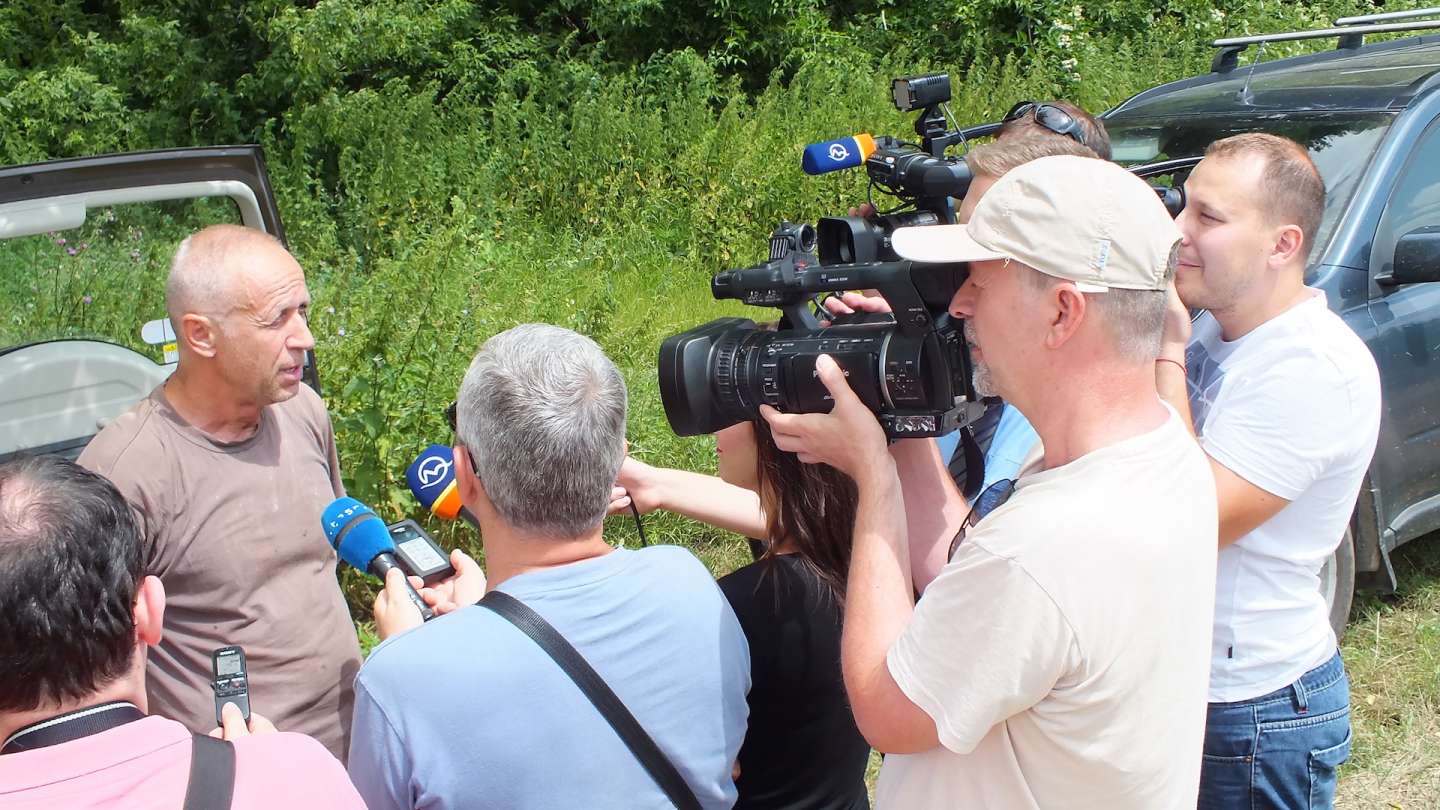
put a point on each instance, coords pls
(1289, 242)
(199, 333)
(1068, 312)
(472, 491)
(149, 613)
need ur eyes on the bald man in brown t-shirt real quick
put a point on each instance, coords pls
(229, 464)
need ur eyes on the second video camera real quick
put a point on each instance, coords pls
(912, 367)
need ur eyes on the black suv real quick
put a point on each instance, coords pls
(1370, 117)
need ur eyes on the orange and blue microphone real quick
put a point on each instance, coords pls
(361, 539)
(841, 153)
(431, 477)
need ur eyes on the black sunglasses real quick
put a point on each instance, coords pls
(451, 420)
(1051, 117)
(992, 498)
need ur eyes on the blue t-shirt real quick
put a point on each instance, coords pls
(467, 711)
(1012, 442)
(1014, 439)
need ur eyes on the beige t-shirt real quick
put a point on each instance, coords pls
(234, 534)
(1064, 652)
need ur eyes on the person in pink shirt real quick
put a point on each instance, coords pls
(77, 616)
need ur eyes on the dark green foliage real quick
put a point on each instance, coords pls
(449, 168)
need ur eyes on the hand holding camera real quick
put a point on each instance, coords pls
(912, 370)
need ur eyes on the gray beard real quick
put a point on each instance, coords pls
(980, 375)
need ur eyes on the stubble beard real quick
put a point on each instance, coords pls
(980, 375)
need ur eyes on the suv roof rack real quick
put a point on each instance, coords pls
(1351, 36)
(1390, 15)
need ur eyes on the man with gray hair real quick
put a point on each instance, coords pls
(467, 709)
(1060, 658)
(228, 465)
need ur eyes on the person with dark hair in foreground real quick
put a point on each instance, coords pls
(77, 616)
(802, 749)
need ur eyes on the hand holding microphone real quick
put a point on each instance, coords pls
(394, 607)
(362, 540)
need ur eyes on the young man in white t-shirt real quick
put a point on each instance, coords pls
(1285, 401)
(1060, 658)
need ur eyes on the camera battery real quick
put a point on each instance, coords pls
(418, 552)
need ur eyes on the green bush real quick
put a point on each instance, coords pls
(449, 168)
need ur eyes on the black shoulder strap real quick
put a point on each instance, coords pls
(611, 708)
(967, 466)
(212, 774)
(967, 463)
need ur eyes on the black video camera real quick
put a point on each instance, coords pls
(912, 368)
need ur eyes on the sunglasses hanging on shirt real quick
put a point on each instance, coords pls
(988, 501)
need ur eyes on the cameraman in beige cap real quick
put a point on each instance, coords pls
(1060, 658)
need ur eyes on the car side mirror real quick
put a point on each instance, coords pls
(1417, 258)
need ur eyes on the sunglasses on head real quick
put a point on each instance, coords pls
(1051, 117)
(992, 498)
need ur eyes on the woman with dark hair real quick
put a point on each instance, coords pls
(802, 748)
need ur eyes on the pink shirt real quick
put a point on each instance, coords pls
(146, 764)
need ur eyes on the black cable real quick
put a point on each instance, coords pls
(639, 526)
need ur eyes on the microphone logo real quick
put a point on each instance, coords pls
(838, 152)
(433, 471)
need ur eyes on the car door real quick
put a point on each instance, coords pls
(1407, 349)
(85, 246)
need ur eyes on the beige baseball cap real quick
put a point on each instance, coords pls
(1082, 219)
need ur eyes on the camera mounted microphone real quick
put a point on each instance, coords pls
(431, 477)
(361, 539)
(841, 153)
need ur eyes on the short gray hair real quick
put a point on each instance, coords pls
(1135, 318)
(542, 410)
(203, 272)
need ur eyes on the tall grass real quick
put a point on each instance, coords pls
(429, 220)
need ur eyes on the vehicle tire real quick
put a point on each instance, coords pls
(1337, 582)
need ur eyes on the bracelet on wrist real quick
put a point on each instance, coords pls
(1176, 363)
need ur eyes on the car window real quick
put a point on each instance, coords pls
(1340, 144)
(103, 279)
(1415, 202)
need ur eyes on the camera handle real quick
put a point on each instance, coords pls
(895, 281)
(930, 126)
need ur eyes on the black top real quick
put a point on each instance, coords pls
(802, 749)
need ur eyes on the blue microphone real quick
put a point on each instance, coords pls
(431, 477)
(361, 539)
(841, 153)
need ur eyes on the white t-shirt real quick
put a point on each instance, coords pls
(1293, 407)
(1063, 651)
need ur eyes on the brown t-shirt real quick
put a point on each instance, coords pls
(233, 532)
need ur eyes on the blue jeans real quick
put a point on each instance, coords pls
(1279, 750)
